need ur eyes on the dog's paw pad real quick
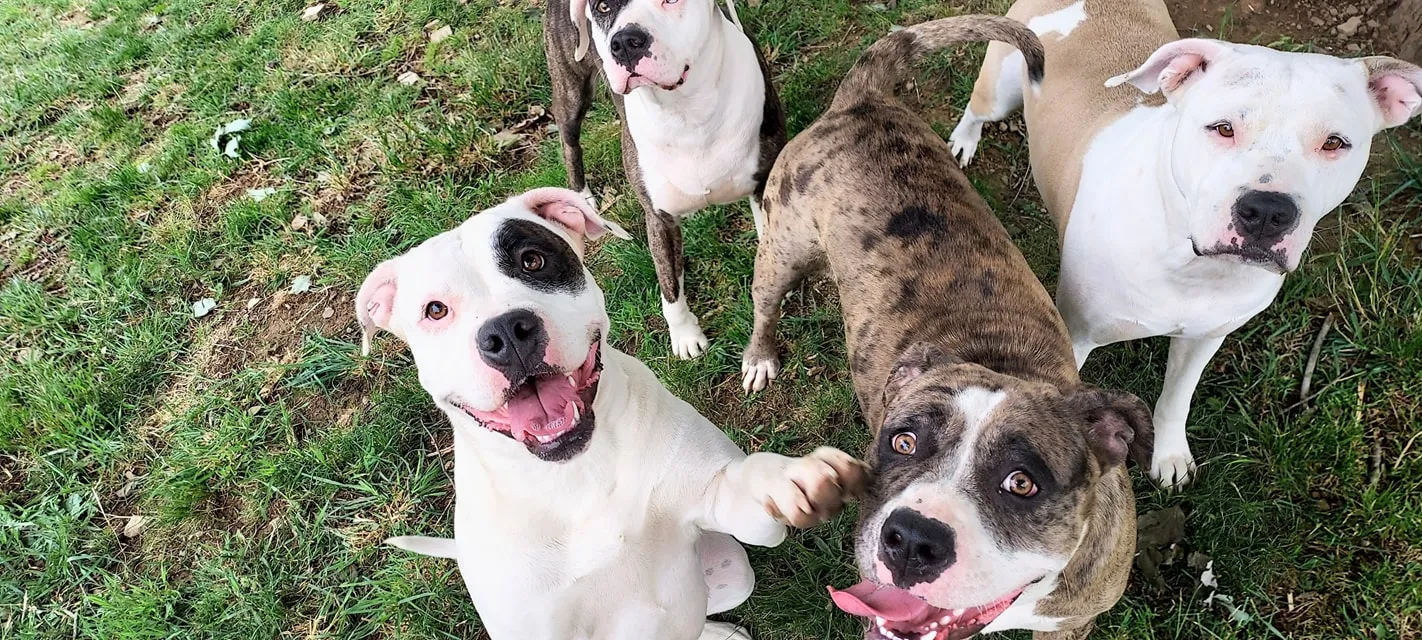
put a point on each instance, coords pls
(756, 373)
(687, 340)
(1173, 470)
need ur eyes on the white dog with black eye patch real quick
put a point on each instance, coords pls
(1185, 176)
(590, 503)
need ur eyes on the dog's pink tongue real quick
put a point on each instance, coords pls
(540, 402)
(868, 600)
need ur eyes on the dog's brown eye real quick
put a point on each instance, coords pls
(1020, 484)
(1225, 129)
(603, 7)
(1334, 143)
(436, 310)
(905, 443)
(532, 261)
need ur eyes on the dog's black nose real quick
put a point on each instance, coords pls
(1263, 218)
(915, 548)
(513, 343)
(629, 45)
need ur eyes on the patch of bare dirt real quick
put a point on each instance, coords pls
(40, 259)
(268, 332)
(1340, 28)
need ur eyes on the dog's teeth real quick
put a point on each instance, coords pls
(933, 625)
(957, 612)
(577, 414)
(929, 636)
(572, 381)
(945, 620)
(879, 621)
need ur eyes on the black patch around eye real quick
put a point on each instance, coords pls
(1019, 522)
(562, 270)
(928, 428)
(605, 20)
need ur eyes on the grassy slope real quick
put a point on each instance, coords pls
(269, 459)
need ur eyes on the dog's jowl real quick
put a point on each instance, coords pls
(590, 503)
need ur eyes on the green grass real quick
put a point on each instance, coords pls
(269, 459)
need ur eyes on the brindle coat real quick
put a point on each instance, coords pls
(930, 281)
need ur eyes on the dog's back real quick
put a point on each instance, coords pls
(915, 251)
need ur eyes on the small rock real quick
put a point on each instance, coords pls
(253, 303)
(316, 12)
(326, 315)
(299, 222)
(1373, 24)
(441, 33)
(1349, 28)
(408, 78)
(301, 284)
(203, 307)
(1317, 21)
(135, 526)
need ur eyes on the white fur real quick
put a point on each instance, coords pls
(609, 544)
(1061, 22)
(1155, 183)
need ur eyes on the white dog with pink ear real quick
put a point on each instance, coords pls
(590, 503)
(1180, 216)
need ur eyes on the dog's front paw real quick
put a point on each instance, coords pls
(814, 488)
(1172, 467)
(758, 369)
(687, 339)
(965, 139)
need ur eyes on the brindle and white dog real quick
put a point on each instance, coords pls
(999, 496)
(701, 124)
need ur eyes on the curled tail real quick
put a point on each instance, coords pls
(885, 63)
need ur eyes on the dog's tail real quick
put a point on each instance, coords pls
(424, 545)
(885, 63)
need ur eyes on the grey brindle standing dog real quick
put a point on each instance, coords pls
(999, 497)
(701, 123)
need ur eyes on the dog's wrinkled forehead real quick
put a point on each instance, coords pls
(968, 415)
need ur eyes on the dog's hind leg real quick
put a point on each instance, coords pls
(729, 578)
(996, 94)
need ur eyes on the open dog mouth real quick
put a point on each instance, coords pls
(897, 614)
(1273, 260)
(549, 411)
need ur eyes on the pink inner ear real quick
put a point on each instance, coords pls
(1179, 70)
(1396, 97)
(566, 215)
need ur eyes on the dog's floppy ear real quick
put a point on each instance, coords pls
(919, 358)
(1118, 425)
(375, 300)
(578, 12)
(1171, 66)
(1396, 88)
(570, 210)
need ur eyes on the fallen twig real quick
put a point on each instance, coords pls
(1313, 357)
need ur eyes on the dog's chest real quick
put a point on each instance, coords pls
(586, 572)
(696, 155)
